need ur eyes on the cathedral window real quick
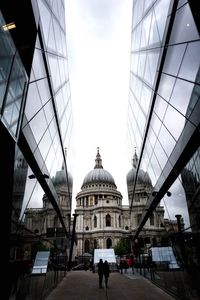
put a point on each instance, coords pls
(126, 228)
(87, 246)
(95, 221)
(55, 222)
(108, 220)
(119, 221)
(147, 240)
(137, 199)
(86, 228)
(108, 243)
(151, 220)
(138, 218)
(95, 244)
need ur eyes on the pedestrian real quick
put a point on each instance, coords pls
(100, 266)
(106, 272)
(132, 264)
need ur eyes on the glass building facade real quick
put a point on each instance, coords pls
(163, 125)
(36, 123)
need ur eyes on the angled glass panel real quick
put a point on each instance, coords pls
(51, 44)
(176, 204)
(155, 124)
(58, 34)
(145, 98)
(146, 30)
(53, 62)
(166, 86)
(166, 140)
(63, 69)
(174, 58)
(38, 63)
(160, 107)
(174, 122)
(156, 166)
(151, 138)
(134, 64)
(181, 95)
(44, 92)
(49, 161)
(191, 62)
(38, 125)
(45, 15)
(184, 28)
(136, 37)
(141, 63)
(154, 37)
(45, 144)
(141, 120)
(137, 11)
(160, 154)
(33, 101)
(161, 9)
(151, 66)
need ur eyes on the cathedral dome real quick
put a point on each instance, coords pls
(60, 178)
(142, 177)
(98, 174)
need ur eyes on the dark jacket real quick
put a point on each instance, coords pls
(100, 267)
(106, 269)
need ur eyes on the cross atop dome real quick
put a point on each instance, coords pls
(98, 160)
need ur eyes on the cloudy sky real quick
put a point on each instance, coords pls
(98, 40)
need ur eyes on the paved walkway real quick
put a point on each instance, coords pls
(83, 285)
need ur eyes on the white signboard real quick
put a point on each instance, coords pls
(164, 254)
(105, 254)
(41, 262)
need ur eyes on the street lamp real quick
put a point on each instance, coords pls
(154, 193)
(72, 241)
(32, 176)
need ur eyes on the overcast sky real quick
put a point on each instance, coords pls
(98, 40)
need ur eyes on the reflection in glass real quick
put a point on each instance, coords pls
(191, 62)
(181, 95)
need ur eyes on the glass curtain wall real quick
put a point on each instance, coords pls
(163, 125)
(36, 112)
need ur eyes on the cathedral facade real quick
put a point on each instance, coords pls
(102, 220)
(43, 223)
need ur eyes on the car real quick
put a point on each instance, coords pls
(80, 267)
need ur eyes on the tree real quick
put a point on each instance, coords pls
(123, 247)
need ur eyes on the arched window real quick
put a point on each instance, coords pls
(108, 220)
(119, 221)
(108, 243)
(95, 221)
(95, 244)
(151, 219)
(138, 218)
(87, 246)
(55, 221)
(147, 240)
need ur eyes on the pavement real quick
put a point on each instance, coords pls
(84, 285)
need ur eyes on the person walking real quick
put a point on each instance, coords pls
(106, 272)
(100, 266)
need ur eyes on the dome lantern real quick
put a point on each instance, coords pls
(98, 174)
(142, 176)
